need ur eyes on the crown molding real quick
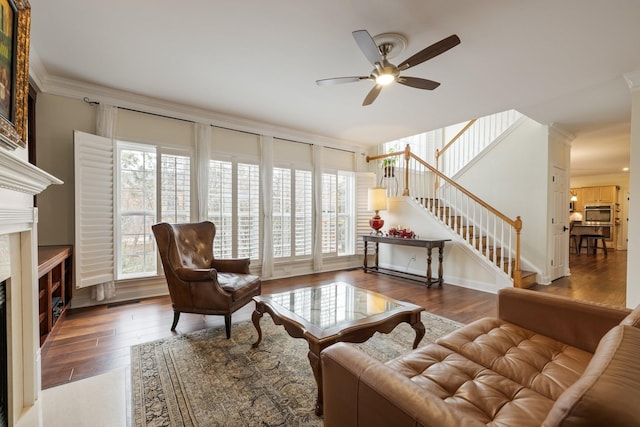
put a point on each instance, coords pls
(633, 80)
(558, 132)
(47, 83)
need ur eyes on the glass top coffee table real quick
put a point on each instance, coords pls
(328, 314)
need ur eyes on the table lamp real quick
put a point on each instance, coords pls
(377, 202)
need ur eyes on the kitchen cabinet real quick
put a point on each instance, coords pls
(600, 195)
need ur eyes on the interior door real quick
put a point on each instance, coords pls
(559, 224)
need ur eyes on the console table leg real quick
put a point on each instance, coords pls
(377, 255)
(440, 268)
(364, 267)
(429, 267)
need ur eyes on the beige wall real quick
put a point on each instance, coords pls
(57, 117)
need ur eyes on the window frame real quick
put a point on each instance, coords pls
(235, 160)
(351, 220)
(293, 169)
(120, 147)
(159, 151)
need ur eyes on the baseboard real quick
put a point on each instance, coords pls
(125, 291)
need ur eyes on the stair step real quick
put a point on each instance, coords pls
(528, 279)
(453, 221)
(465, 230)
(428, 202)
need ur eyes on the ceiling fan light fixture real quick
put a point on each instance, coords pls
(385, 79)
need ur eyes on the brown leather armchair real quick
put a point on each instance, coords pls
(197, 282)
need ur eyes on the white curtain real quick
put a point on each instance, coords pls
(266, 176)
(317, 207)
(105, 127)
(203, 135)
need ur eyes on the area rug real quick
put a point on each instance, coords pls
(202, 379)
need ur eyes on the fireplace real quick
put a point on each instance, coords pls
(4, 363)
(19, 182)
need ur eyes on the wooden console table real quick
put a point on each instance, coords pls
(429, 244)
(54, 285)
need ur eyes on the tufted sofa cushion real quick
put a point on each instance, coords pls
(607, 393)
(470, 389)
(542, 364)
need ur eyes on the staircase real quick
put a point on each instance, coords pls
(485, 231)
(479, 240)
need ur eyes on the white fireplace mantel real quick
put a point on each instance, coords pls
(18, 239)
(19, 175)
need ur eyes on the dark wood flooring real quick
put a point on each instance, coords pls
(91, 341)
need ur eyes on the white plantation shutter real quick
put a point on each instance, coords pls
(303, 213)
(94, 257)
(248, 211)
(220, 206)
(364, 181)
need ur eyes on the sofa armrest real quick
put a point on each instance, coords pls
(362, 391)
(577, 323)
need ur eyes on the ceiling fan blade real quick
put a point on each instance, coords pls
(368, 46)
(430, 52)
(372, 95)
(339, 80)
(418, 83)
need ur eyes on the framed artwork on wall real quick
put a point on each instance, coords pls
(15, 21)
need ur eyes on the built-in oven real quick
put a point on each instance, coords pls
(598, 215)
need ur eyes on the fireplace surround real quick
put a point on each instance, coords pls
(19, 182)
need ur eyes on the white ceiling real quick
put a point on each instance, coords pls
(559, 62)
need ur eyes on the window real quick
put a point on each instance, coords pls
(281, 208)
(338, 213)
(137, 210)
(248, 208)
(303, 213)
(292, 213)
(175, 188)
(138, 203)
(221, 207)
(236, 210)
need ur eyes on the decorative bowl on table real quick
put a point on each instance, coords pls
(400, 232)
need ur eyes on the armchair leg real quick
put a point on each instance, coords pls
(176, 317)
(227, 325)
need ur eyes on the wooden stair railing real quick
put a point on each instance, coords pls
(489, 232)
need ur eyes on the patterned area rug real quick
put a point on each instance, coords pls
(202, 379)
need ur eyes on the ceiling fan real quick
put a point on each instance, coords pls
(384, 72)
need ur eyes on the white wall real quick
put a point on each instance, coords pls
(633, 268)
(460, 267)
(512, 176)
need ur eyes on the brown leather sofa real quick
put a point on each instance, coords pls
(545, 360)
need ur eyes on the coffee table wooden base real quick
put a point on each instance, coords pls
(355, 332)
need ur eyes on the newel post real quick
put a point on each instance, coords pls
(517, 273)
(407, 156)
